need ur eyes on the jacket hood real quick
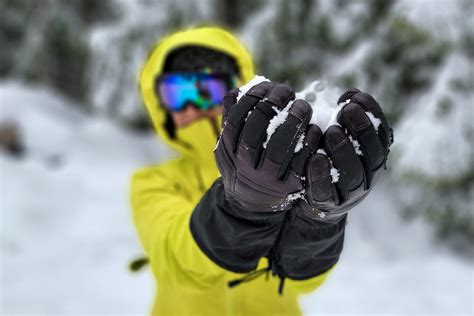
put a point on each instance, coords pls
(198, 139)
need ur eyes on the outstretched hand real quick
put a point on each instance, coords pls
(331, 173)
(342, 172)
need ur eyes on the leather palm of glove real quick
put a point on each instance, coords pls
(264, 179)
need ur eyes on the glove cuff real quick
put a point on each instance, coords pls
(250, 238)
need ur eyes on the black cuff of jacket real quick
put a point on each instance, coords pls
(310, 247)
(230, 236)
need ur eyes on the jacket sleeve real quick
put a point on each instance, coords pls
(234, 238)
(161, 212)
(301, 249)
(308, 251)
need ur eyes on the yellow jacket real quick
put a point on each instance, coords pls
(163, 198)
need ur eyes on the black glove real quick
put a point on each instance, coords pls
(261, 179)
(234, 223)
(355, 153)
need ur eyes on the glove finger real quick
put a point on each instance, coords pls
(364, 138)
(311, 140)
(344, 158)
(281, 146)
(238, 112)
(229, 100)
(254, 133)
(347, 95)
(368, 103)
(320, 188)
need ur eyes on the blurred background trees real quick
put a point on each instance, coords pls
(416, 58)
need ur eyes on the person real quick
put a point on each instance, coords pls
(221, 224)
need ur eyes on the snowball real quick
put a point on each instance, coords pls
(246, 87)
(321, 98)
(323, 101)
(375, 121)
(310, 97)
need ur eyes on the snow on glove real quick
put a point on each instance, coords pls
(341, 175)
(257, 174)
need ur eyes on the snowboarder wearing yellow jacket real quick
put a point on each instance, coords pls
(210, 230)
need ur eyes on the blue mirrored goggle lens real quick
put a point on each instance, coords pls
(202, 90)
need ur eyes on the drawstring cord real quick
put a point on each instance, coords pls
(138, 263)
(273, 263)
(257, 273)
(250, 276)
(282, 284)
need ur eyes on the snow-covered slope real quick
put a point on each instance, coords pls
(67, 233)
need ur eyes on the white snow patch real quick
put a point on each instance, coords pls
(321, 214)
(356, 145)
(276, 121)
(334, 175)
(299, 144)
(296, 196)
(302, 178)
(246, 87)
(248, 115)
(375, 121)
(322, 152)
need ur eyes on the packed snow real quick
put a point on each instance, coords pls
(296, 196)
(374, 120)
(356, 146)
(276, 121)
(300, 143)
(334, 175)
(322, 152)
(246, 87)
(323, 102)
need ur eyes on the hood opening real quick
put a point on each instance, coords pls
(192, 58)
(198, 140)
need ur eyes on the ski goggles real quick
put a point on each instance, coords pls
(175, 91)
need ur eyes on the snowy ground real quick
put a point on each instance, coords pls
(67, 235)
